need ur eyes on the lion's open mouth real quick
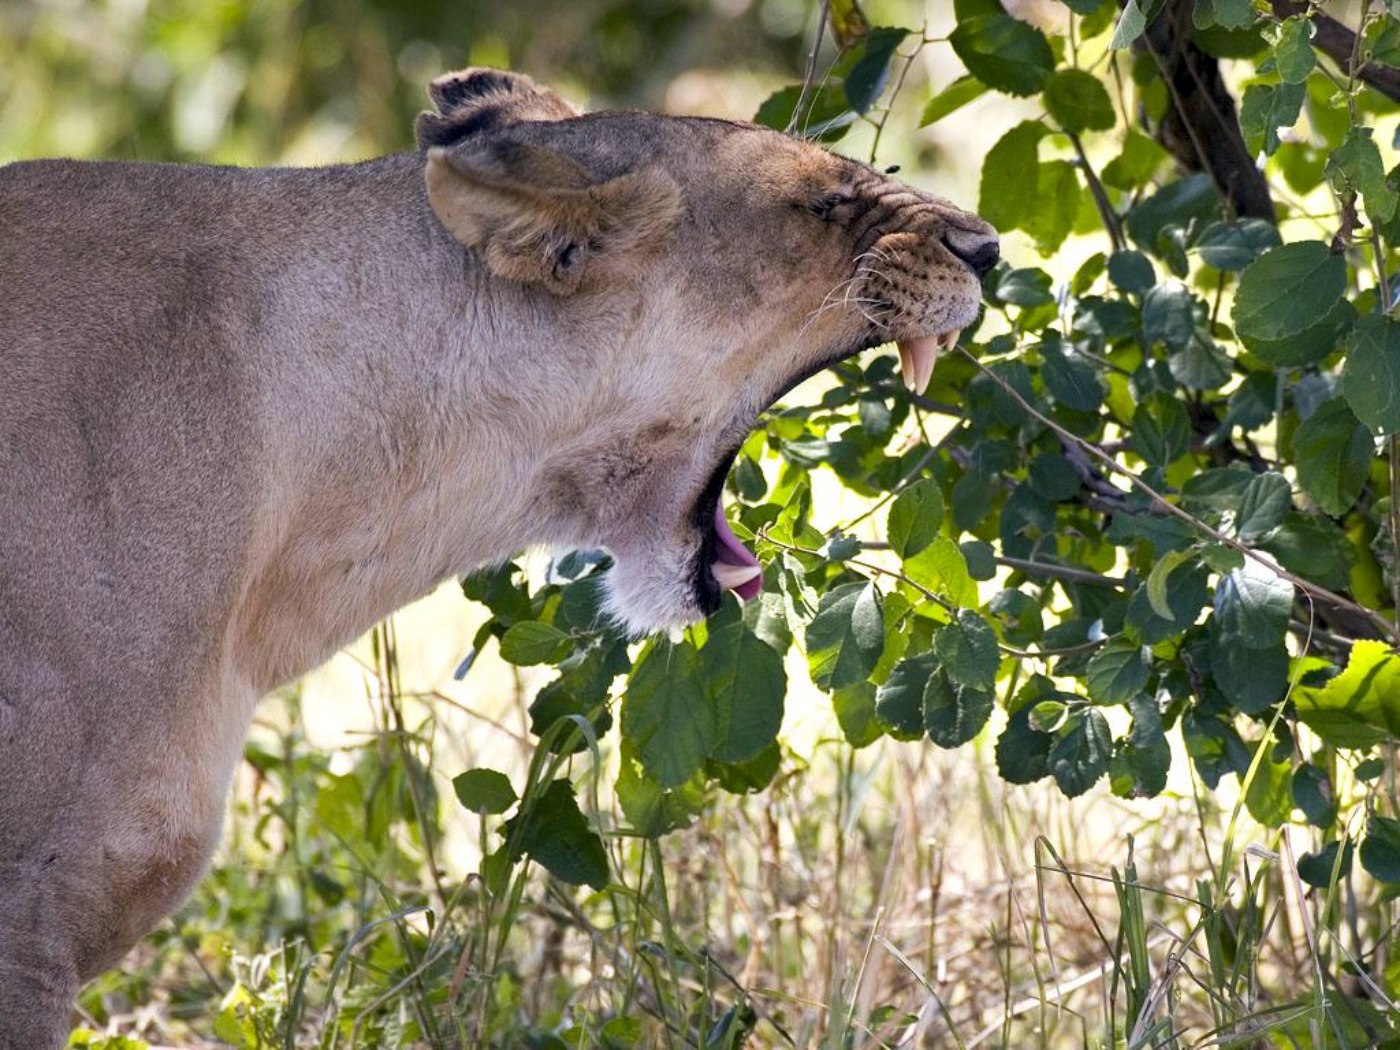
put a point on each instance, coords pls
(724, 562)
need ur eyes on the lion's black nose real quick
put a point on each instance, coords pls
(979, 250)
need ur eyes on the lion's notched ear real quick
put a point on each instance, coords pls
(538, 216)
(476, 100)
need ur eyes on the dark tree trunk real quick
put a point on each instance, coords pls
(1201, 128)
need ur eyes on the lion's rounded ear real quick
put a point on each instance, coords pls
(538, 216)
(476, 100)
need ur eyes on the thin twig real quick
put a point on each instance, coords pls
(1388, 630)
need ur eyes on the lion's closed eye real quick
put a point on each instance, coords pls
(827, 205)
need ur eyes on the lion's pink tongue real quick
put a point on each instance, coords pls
(736, 568)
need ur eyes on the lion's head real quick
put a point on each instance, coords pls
(692, 271)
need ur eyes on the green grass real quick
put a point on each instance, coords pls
(894, 896)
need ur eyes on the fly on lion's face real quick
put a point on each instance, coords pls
(774, 259)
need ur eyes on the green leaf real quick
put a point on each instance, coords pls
(1287, 289)
(952, 98)
(979, 558)
(1356, 167)
(1309, 346)
(555, 833)
(1229, 14)
(855, 713)
(1140, 762)
(1004, 53)
(867, 80)
(900, 701)
(915, 517)
(1135, 166)
(1359, 707)
(1028, 286)
(1252, 604)
(1314, 795)
(1380, 849)
(1161, 432)
(497, 590)
(666, 714)
(583, 685)
(941, 568)
(1317, 869)
(1159, 576)
(1371, 375)
(484, 791)
(1131, 271)
(1057, 205)
(1022, 751)
(531, 642)
(1253, 680)
(1218, 490)
(1266, 500)
(1265, 109)
(1010, 176)
(754, 774)
(1081, 753)
(1131, 24)
(1053, 477)
(651, 809)
(744, 685)
(1333, 452)
(1168, 315)
(846, 638)
(1201, 364)
(1314, 548)
(1269, 798)
(1118, 672)
(1071, 379)
(1177, 204)
(954, 714)
(825, 115)
(968, 649)
(1293, 52)
(1184, 593)
(1079, 102)
(1232, 246)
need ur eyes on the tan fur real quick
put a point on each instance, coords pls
(246, 413)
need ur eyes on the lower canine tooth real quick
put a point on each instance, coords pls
(730, 576)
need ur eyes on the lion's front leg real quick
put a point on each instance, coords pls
(38, 977)
(91, 863)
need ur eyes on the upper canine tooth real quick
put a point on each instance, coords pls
(916, 360)
(731, 576)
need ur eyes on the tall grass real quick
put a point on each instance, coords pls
(894, 896)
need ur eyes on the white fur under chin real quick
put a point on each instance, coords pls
(651, 594)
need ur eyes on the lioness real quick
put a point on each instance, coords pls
(244, 414)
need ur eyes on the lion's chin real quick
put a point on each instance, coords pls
(653, 593)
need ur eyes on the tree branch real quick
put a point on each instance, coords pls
(1322, 595)
(1201, 129)
(1337, 42)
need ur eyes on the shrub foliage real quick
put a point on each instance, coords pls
(1160, 495)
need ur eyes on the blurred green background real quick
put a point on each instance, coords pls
(263, 81)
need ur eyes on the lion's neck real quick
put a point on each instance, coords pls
(411, 438)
